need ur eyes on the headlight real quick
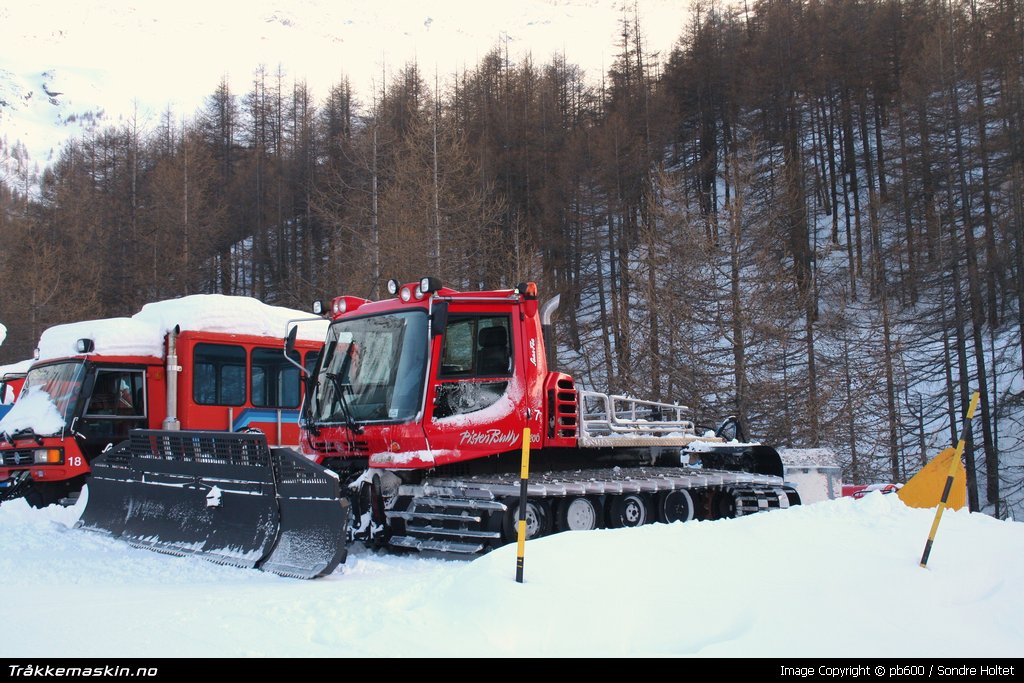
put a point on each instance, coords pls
(48, 456)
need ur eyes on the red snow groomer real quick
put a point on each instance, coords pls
(423, 399)
(419, 404)
(206, 373)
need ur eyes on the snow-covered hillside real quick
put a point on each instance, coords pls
(41, 106)
(839, 578)
(63, 64)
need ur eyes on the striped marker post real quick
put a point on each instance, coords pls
(524, 479)
(949, 479)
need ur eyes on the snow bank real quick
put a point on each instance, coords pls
(836, 579)
(143, 334)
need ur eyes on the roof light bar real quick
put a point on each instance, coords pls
(429, 285)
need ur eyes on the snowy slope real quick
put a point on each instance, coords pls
(839, 578)
(123, 61)
(41, 106)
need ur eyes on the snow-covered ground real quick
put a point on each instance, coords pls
(838, 578)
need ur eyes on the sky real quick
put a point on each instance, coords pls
(136, 59)
(834, 579)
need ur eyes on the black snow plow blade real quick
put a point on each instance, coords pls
(223, 496)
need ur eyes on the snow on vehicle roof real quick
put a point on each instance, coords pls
(143, 333)
(112, 337)
(809, 457)
(19, 368)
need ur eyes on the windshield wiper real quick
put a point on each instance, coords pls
(339, 389)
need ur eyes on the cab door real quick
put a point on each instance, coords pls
(116, 404)
(475, 392)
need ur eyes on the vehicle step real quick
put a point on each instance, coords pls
(436, 545)
(455, 533)
(70, 499)
(466, 503)
(437, 516)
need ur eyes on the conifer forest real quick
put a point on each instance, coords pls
(809, 214)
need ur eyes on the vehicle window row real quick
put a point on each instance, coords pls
(224, 373)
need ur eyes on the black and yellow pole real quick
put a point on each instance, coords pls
(949, 479)
(524, 480)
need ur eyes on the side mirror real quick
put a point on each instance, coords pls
(289, 342)
(290, 350)
(439, 318)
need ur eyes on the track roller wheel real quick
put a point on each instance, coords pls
(538, 520)
(578, 513)
(723, 504)
(632, 509)
(675, 506)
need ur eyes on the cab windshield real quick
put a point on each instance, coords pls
(374, 366)
(62, 384)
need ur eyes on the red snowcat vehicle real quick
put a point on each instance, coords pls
(211, 365)
(417, 405)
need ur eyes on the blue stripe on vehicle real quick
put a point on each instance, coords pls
(250, 415)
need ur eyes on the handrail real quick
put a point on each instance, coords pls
(603, 414)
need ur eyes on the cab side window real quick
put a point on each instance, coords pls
(476, 362)
(275, 381)
(117, 404)
(477, 347)
(218, 376)
(118, 393)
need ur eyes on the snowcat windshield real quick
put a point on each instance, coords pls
(375, 367)
(62, 383)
